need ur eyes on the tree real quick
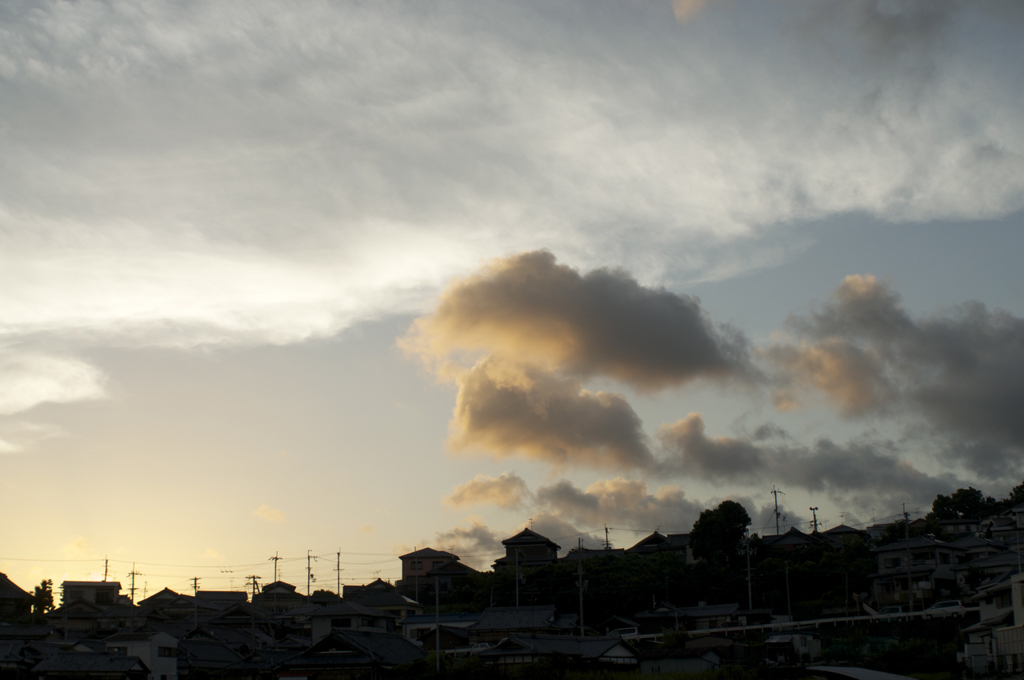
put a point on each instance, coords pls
(42, 599)
(966, 503)
(717, 533)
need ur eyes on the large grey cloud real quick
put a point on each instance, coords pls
(864, 473)
(602, 323)
(962, 370)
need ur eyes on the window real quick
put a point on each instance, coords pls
(167, 651)
(416, 564)
(341, 623)
(892, 562)
(943, 558)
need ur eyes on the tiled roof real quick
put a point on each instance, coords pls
(348, 609)
(569, 645)
(426, 552)
(86, 662)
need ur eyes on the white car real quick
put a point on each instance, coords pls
(945, 608)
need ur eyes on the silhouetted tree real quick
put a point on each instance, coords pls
(42, 599)
(717, 533)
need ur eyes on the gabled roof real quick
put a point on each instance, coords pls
(452, 567)
(207, 653)
(842, 530)
(379, 599)
(968, 542)
(363, 647)
(916, 542)
(569, 645)
(427, 552)
(530, 537)
(10, 591)
(89, 662)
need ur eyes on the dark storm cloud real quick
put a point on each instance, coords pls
(602, 323)
(855, 470)
(505, 408)
(962, 370)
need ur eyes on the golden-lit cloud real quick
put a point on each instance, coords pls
(366, 529)
(508, 490)
(507, 409)
(850, 376)
(213, 554)
(269, 513)
(529, 308)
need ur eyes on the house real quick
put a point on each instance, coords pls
(350, 654)
(96, 592)
(930, 570)
(727, 649)
(279, 597)
(666, 615)
(678, 660)
(527, 549)
(417, 626)
(577, 554)
(657, 542)
(13, 600)
(378, 585)
(843, 532)
(446, 575)
(87, 617)
(995, 609)
(496, 623)
(388, 602)
(349, 616)
(1009, 644)
(92, 665)
(792, 648)
(157, 650)
(416, 567)
(517, 650)
(794, 538)
(976, 548)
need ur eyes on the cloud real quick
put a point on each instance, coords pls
(32, 378)
(78, 548)
(269, 514)
(861, 472)
(505, 491)
(475, 544)
(620, 501)
(961, 370)
(603, 323)
(507, 409)
(213, 554)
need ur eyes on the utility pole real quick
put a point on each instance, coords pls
(579, 581)
(607, 543)
(131, 590)
(814, 522)
(339, 570)
(252, 578)
(776, 492)
(789, 607)
(437, 625)
(105, 565)
(309, 572)
(517, 577)
(906, 537)
(195, 598)
(275, 558)
(750, 586)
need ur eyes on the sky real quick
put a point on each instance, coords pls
(345, 279)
